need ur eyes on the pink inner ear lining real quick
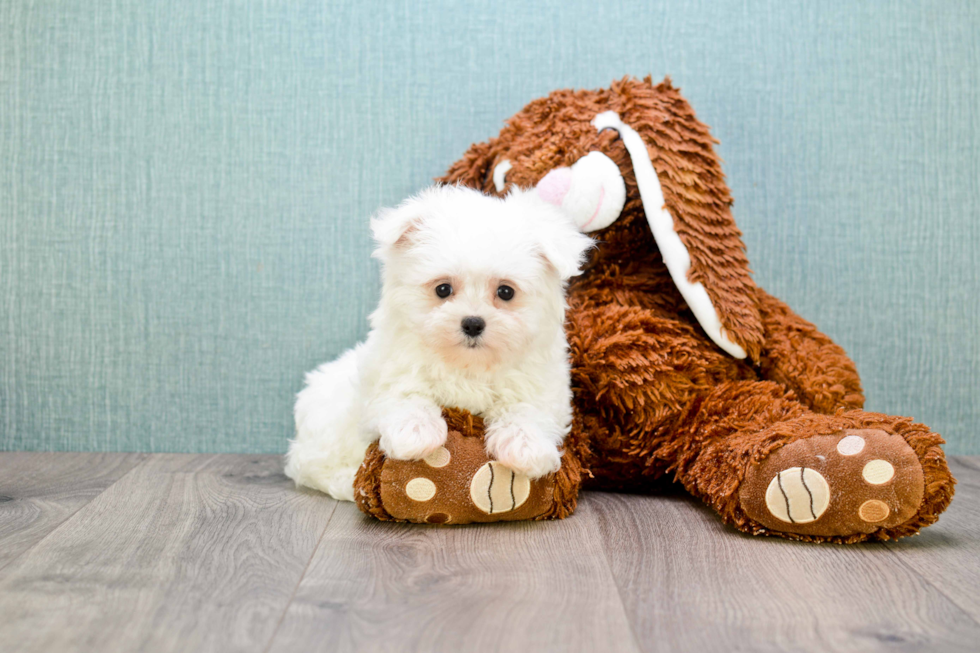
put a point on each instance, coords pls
(555, 185)
(406, 235)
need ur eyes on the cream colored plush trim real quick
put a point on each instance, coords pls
(500, 175)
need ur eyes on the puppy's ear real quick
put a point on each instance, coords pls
(393, 227)
(564, 246)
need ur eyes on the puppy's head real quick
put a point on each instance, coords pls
(477, 280)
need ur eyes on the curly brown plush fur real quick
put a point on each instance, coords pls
(654, 396)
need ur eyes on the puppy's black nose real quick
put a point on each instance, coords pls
(473, 326)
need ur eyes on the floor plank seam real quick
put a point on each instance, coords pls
(938, 588)
(967, 462)
(619, 590)
(299, 581)
(143, 460)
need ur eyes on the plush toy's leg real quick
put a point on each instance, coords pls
(459, 483)
(651, 398)
(769, 465)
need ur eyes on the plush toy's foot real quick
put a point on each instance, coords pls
(459, 484)
(855, 482)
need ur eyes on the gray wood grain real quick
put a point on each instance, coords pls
(947, 554)
(689, 583)
(39, 491)
(208, 553)
(185, 185)
(185, 553)
(525, 586)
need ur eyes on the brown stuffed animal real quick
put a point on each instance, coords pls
(681, 366)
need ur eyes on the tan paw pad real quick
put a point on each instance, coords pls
(878, 472)
(420, 489)
(438, 458)
(874, 510)
(496, 488)
(851, 445)
(798, 495)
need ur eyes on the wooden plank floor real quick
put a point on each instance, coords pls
(124, 552)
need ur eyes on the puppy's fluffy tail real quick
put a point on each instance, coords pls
(328, 448)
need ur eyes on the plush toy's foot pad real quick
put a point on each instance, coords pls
(856, 481)
(456, 484)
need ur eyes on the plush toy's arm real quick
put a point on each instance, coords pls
(797, 355)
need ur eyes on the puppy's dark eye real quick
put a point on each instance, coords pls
(444, 290)
(506, 293)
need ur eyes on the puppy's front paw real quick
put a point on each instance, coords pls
(523, 449)
(412, 434)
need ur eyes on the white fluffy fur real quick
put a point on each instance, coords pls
(417, 359)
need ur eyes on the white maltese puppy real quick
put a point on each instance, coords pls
(471, 316)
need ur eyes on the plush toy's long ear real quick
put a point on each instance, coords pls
(688, 206)
(473, 169)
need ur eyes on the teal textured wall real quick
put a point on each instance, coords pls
(185, 186)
